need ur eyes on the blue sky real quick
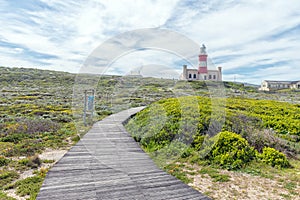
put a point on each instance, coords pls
(252, 40)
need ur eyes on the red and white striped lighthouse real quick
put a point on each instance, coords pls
(202, 69)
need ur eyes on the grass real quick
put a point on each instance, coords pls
(290, 185)
(177, 171)
(214, 174)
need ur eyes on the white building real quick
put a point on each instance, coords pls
(278, 85)
(295, 85)
(202, 73)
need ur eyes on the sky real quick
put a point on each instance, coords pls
(251, 40)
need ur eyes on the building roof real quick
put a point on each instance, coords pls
(280, 82)
(192, 70)
(295, 82)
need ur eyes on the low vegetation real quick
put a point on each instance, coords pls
(36, 115)
(28, 187)
(256, 137)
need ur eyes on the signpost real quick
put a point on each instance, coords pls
(89, 106)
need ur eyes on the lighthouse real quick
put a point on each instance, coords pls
(202, 69)
(202, 73)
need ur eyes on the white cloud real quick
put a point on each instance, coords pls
(248, 33)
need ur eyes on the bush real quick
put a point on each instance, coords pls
(13, 138)
(3, 161)
(32, 162)
(241, 123)
(4, 196)
(5, 146)
(7, 177)
(231, 151)
(198, 141)
(274, 158)
(266, 137)
(26, 148)
(42, 172)
(24, 161)
(31, 126)
(29, 186)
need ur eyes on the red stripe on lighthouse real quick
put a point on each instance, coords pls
(202, 57)
(202, 70)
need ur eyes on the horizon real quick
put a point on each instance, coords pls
(75, 73)
(251, 41)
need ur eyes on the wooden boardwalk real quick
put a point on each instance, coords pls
(108, 164)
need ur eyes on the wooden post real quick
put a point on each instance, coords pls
(85, 106)
(93, 105)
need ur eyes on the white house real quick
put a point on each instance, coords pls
(267, 85)
(295, 85)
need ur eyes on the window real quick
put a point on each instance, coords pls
(209, 77)
(204, 77)
(190, 75)
(214, 76)
(195, 76)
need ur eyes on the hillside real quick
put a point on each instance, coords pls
(39, 122)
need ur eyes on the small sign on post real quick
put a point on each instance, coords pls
(89, 102)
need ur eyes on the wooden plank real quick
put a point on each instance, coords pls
(108, 164)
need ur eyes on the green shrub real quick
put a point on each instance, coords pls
(13, 138)
(187, 153)
(198, 141)
(7, 177)
(266, 137)
(42, 172)
(29, 186)
(28, 147)
(3, 196)
(274, 158)
(24, 161)
(48, 161)
(3, 161)
(32, 162)
(171, 119)
(76, 138)
(231, 151)
(4, 147)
